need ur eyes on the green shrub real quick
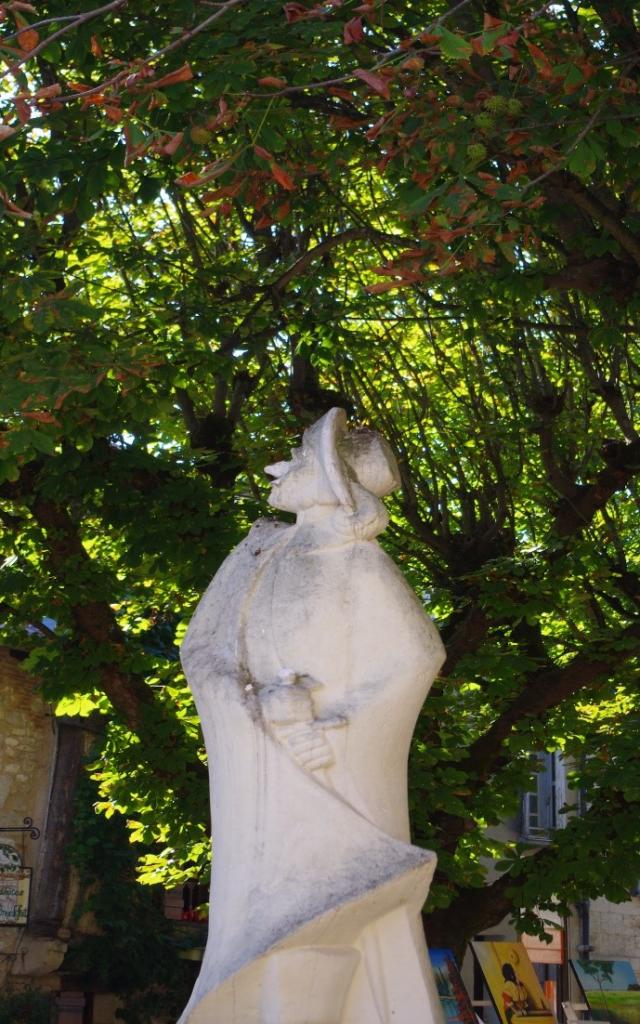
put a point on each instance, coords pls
(27, 1007)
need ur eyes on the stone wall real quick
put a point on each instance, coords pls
(27, 744)
(41, 758)
(615, 931)
(27, 752)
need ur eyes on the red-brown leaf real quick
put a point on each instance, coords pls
(82, 389)
(224, 190)
(343, 94)
(182, 74)
(340, 122)
(541, 61)
(41, 417)
(14, 210)
(510, 39)
(47, 91)
(213, 170)
(272, 83)
(24, 110)
(170, 147)
(294, 12)
(28, 39)
(190, 178)
(376, 128)
(385, 286)
(375, 82)
(353, 31)
(297, 11)
(283, 210)
(282, 177)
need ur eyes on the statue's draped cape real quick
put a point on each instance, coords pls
(305, 859)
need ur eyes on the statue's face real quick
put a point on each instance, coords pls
(299, 483)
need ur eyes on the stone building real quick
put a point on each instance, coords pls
(41, 764)
(596, 929)
(40, 761)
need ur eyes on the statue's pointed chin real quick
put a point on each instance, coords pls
(276, 501)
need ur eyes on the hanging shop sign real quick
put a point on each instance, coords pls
(15, 879)
(15, 885)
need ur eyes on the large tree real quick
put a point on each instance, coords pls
(221, 219)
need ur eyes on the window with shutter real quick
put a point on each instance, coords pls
(542, 806)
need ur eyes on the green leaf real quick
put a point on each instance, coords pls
(52, 52)
(574, 77)
(490, 38)
(419, 200)
(453, 45)
(272, 140)
(41, 441)
(582, 161)
(80, 704)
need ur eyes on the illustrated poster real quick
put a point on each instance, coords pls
(610, 988)
(512, 982)
(453, 995)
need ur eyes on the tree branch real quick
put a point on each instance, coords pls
(574, 513)
(474, 910)
(571, 188)
(78, 20)
(274, 289)
(595, 275)
(467, 636)
(350, 235)
(126, 73)
(544, 691)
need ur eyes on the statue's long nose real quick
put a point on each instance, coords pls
(278, 469)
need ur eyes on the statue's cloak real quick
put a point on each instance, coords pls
(304, 863)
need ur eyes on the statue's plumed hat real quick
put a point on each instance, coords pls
(359, 455)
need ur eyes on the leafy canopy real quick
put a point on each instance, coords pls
(220, 220)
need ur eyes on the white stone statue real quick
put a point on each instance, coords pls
(309, 658)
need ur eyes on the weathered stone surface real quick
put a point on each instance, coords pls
(27, 747)
(41, 759)
(309, 658)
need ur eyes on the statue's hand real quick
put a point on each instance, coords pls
(309, 746)
(286, 702)
(288, 709)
